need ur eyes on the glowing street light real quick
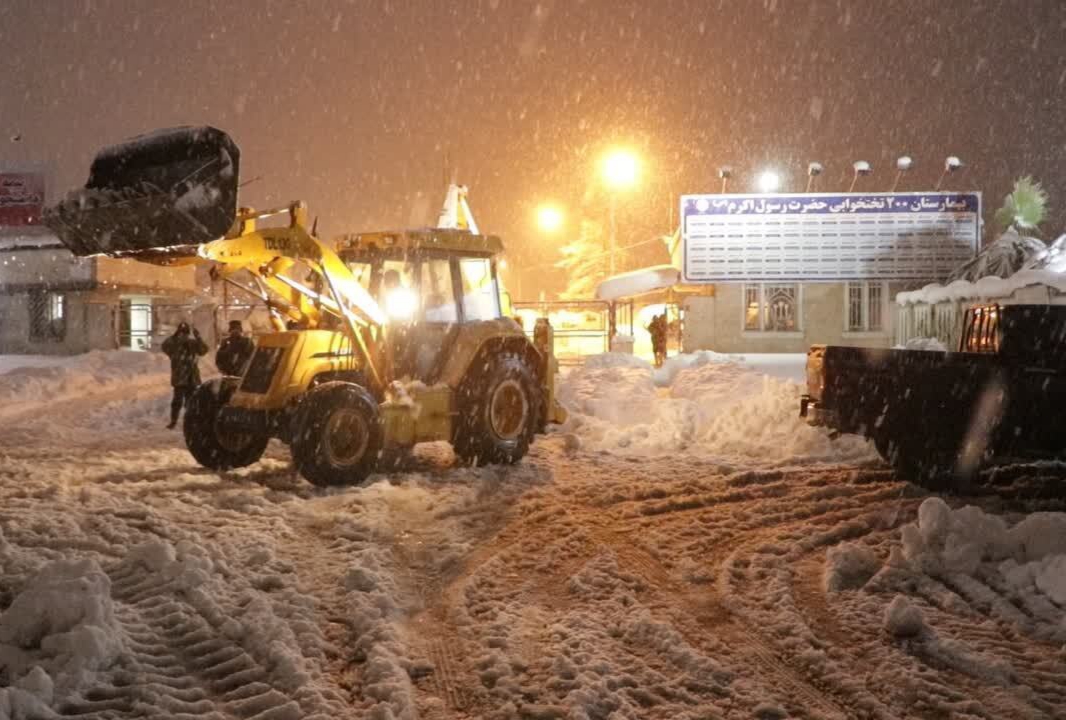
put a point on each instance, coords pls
(768, 181)
(549, 218)
(903, 164)
(621, 170)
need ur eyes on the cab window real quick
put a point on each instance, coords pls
(480, 299)
(437, 292)
(396, 293)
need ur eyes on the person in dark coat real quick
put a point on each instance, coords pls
(657, 329)
(235, 351)
(183, 348)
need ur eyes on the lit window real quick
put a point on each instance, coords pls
(771, 308)
(438, 298)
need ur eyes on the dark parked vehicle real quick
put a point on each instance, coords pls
(935, 416)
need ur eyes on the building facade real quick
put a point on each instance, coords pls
(789, 317)
(53, 303)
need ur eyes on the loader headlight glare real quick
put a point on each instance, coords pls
(400, 303)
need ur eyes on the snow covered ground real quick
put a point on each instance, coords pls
(682, 548)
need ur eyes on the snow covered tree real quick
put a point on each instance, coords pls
(1023, 210)
(584, 261)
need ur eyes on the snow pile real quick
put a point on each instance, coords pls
(81, 375)
(711, 405)
(903, 619)
(1030, 557)
(1052, 259)
(58, 633)
(849, 566)
(664, 376)
(1003, 257)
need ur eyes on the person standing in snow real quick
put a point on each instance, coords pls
(657, 329)
(184, 349)
(234, 352)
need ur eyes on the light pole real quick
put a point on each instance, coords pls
(814, 169)
(861, 168)
(725, 172)
(903, 164)
(620, 171)
(951, 164)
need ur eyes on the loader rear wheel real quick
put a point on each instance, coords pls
(498, 414)
(337, 434)
(208, 440)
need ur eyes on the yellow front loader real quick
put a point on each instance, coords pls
(392, 339)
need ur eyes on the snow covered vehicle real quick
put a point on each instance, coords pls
(937, 416)
(395, 338)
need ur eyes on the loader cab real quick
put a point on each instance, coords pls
(434, 285)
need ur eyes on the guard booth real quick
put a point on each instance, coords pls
(646, 293)
(582, 327)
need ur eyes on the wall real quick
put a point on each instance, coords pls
(717, 323)
(111, 272)
(88, 326)
(22, 268)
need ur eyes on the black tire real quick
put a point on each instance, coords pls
(337, 434)
(499, 413)
(210, 444)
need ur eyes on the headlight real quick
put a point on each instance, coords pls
(401, 303)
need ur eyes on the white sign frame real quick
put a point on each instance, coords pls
(827, 237)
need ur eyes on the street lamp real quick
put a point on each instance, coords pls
(768, 181)
(861, 168)
(725, 172)
(903, 164)
(620, 171)
(549, 218)
(951, 164)
(814, 169)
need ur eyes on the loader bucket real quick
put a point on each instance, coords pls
(169, 188)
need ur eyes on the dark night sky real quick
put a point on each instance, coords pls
(353, 106)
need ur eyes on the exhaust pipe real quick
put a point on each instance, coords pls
(154, 193)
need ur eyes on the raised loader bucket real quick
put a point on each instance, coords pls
(165, 189)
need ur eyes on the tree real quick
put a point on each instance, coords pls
(1024, 208)
(584, 261)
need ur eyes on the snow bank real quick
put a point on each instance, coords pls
(56, 635)
(707, 403)
(81, 375)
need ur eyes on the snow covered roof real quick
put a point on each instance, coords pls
(985, 288)
(1052, 259)
(28, 238)
(637, 282)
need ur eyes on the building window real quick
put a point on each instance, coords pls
(865, 306)
(771, 308)
(47, 316)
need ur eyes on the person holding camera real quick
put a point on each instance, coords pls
(184, 349)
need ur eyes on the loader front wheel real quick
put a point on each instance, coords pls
(337, 434)
(208, 440)
(498, 414)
